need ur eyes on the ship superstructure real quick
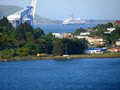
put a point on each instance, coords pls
(73, 21)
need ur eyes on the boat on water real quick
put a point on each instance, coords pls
(72, 21)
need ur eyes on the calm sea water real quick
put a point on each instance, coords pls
(77, 74)
(59, 28)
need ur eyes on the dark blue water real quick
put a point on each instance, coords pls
(59, 28)
(77, 74)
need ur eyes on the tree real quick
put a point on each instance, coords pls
(27, 27)
(50, 35)
(32, 48)
(107, 40)
(109, 25)
(4, 21)
(78, 31)
(38, 33)
(5, 26)
(9, 28)
(24, 32)
(5, 54)
(58, 47)
(22, 52)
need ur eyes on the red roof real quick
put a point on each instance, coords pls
(95, 37)
(115, 49)
(118, 22)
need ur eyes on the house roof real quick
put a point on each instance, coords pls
(95, 37)
(118, 22)
(116, 48)
(94, 49)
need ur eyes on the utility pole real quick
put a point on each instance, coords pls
(66, 49)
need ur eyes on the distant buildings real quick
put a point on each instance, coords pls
(109, 30)
(85, 33)
(57, 35)
(67, 35)
(82, 37)
(96, 40)
(89, 30)
(92, 40)
(117, 22)
(62, 35)
(116, 49)
(118, 42)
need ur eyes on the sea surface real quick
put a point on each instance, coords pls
(59, 28)
(75, 74)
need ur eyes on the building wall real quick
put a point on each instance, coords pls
(57, 35)
(96, 41)
(118, 43)
(85, 33)
(67, 35)
(82, 37)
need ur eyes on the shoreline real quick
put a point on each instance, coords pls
(88, 56)
(21, 58)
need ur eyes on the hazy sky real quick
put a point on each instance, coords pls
(62, 9)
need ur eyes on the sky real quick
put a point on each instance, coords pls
(63, 9)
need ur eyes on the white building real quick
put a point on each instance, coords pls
(118, 43)
(109, 30)
(85, 33)
(57, 35)
(82, 37)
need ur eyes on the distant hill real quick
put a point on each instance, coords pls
(6, 10)
(98, 21)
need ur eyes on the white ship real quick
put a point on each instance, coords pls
(73, 21)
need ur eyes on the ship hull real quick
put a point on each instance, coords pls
(74, 24)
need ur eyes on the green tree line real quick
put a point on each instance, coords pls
(25, 40)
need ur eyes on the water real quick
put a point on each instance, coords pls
(77, 74)
(59, 28)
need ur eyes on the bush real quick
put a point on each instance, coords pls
(6, 54)
(22, 52)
